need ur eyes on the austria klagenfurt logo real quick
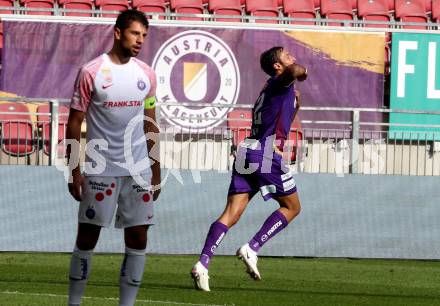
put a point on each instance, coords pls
(196, 67)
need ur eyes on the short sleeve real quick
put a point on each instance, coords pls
(152, 77)
(82, 92)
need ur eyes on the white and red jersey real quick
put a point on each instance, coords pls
(112, 96)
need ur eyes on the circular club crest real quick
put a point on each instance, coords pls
(141, 84)
(196, 67)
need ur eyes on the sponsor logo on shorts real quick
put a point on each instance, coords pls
(146, 197)
(98, 185)
(139, 188)
(90, 213)
(102, 189)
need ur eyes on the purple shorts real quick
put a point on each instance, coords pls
(254, 172)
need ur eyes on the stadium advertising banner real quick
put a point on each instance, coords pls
(415, 85)
(201, 65)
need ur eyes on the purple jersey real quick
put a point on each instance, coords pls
(273, 112)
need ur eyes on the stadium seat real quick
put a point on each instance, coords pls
(411, 11)
(300, 9)
(111, 5)
(77, 5)
(436, 11)
(43, 124)
(239, 124)
(150, 6)
(317, 4)
(16, 129)
(7, 3)
(354, 5)
(187, 7)
(374, 10)
(39, 4)
(225, 7)
(391, 6)
(263, 8)
(428, 5)
(336, 9)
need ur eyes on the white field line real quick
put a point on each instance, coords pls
(109, 299)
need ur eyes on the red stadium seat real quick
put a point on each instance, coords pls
(436, 11)
(77, 5)
(16, 129)
(43, 123)
(239, 123)
(150, 6)
(7, 3)
(390, 5)
(317, 4)
(225, 7)
(374, 10)
(112, 5)
(263, 8)
(411, 11)
(354, 5)
(39, 4)
(187, 7)
(337, 9)
(300, 9)
(428, 5)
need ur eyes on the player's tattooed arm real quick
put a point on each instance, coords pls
(152, 132)
(291, 73)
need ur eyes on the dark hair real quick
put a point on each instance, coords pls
(125, 18)
(270, 57)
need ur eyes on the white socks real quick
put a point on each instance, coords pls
(132, 270)
(80, 266)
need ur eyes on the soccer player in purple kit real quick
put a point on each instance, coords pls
(272, 116)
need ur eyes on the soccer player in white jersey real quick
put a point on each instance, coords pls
(115, 92)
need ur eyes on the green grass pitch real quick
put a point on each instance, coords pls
(28, 279)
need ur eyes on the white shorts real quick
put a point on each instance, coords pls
(101, 194)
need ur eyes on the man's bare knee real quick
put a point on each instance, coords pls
(88, 235)
(136, 237)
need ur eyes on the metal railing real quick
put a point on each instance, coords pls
(206, 17)
(26, 141)
(354, 146)
(351, 146)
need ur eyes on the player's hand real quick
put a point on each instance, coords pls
(156, 184)
(75, 188)
(297, 99)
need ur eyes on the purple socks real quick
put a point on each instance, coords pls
(216, 233)
(272, 226)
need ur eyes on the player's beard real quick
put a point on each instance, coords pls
(129, 52)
